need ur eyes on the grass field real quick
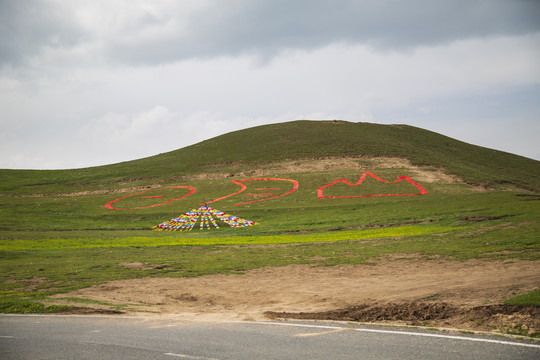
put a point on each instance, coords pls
(56, 234)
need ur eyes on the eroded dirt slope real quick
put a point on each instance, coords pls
(465, 295)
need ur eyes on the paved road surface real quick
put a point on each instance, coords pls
(115, 337)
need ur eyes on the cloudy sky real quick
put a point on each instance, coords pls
(86, 83)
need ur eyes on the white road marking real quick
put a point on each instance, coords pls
(465, 338)
(324, 332)
(7, 337)
(71, 316)
(189, 356)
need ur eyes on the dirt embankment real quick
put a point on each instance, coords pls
(433, 293)
(512, 319)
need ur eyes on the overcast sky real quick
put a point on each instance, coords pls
(85, 83)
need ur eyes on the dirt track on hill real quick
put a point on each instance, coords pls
(438, 293)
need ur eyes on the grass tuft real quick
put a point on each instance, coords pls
(531, 298)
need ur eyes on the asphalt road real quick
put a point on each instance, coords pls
(115, 337)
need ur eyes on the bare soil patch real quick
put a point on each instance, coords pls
(83, 193)
(140, 266)
(31, 284)
(89, 311)
(361, 163)
(439, 293)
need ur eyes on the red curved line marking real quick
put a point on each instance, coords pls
(320, 190)
(239, 182)
(238, 192)
(109, 205)
(151, 197)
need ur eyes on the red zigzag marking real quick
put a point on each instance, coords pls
(320, 190)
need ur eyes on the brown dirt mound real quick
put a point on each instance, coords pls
(522, 320)
(89, 311)
(411, 312)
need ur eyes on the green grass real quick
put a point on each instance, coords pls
(81, 263)
(83, 216)
(23, 306)
(17, 245)
(57, 236)
(531, 298)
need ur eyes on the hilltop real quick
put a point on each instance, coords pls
(249, 149)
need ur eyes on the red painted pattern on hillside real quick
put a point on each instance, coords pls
(320, 191)
(244, 187)
(110, 206)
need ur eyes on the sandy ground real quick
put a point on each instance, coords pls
(414, 291)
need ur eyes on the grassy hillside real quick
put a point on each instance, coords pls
(56, 234)
(292, 140)
(74, 200)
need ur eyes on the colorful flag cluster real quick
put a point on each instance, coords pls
(206, 214)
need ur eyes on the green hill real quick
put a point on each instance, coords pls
(303, 151)
(293, 140)
(67, 229)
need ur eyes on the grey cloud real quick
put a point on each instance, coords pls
(267, 27)
(264, 27)
(27, 27)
